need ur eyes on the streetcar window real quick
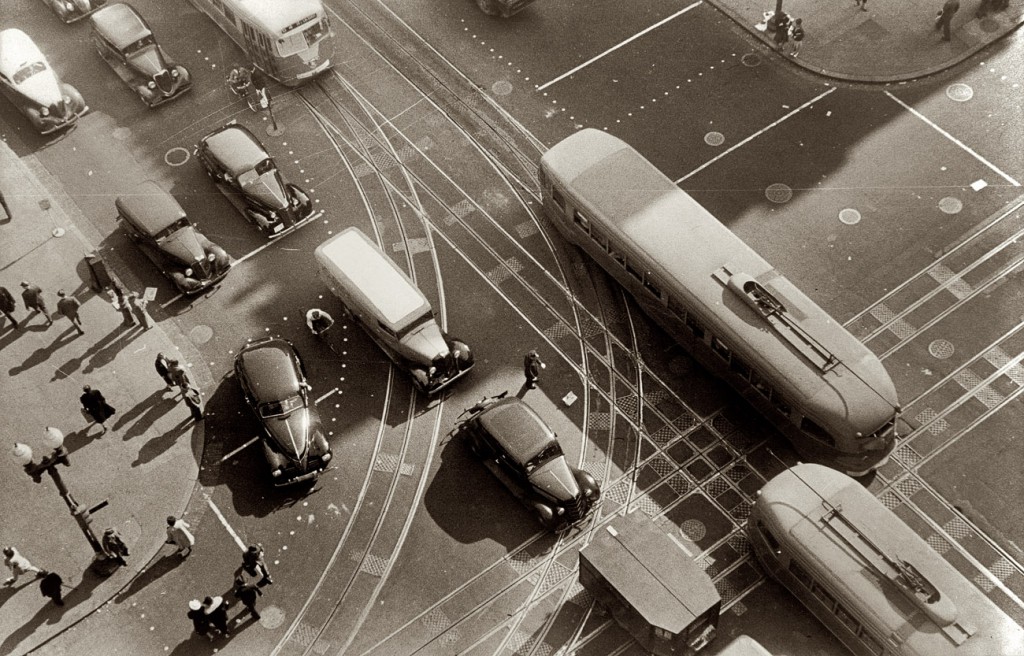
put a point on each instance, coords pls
(869, 641)
(596, 235)
(557, 199)
(760, 385)
(781, 405)
(662, 634)
(387, 330)
(695, 326)
(769, 538)
(632, 271)
(847, 619)
(800, 574)
(651, 287)
(618, 257)
(740, 367)
(676, 309)
(811, 427)
(721, 349)
(230, 15)
(824, 596)
(581, 220)
(219, 5)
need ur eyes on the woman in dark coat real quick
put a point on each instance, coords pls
(96, 406)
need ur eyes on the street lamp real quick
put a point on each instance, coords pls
(53, 438)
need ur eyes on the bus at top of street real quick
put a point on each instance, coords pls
(874, 582)
(289, 40)
(738, 316)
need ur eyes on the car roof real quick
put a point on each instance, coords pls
(269, 369)
(149, 207)
(517, 428)
(120, 24)
(236, 148)
(16, 50)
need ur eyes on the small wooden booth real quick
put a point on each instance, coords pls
(651, 586)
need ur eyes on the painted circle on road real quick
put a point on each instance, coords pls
(122, 133)
(502, 88)
(959, 92)
(271, 617)
(951, 205)
(714, 138)
(750, 60)
(201, 334)
(694, 529)
(941, 349)
(778, 193)
(849, 216)
(176, 156)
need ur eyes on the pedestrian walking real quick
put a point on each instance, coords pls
(33, 297)
(247, 593)
(113, 546)
(945, 17)
(194, 400)
(163, 367)
(179, 535)
(781, 35)
(863, 4)
(318, 321)
(7, 305)
(96, 407)
(532, 365)
(18, 565)
(252, 560)
(179, 375)
(200, 622)
(216, 611)
(138, 308)
(120, 301)
(68, 306)
(50, 585)
(796, 36)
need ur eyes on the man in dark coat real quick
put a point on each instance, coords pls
(247, 592)
(138, 307)
(50, 586)
(532, 365)
(113, 546)
(194, 400)
(7, 305)
(68, 306)
(97, 406)
(163, 367)
(199, 621)
(33, 297)
(252, 561)
(216, 611)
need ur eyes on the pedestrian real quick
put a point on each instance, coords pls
(532, 366)
(247, 593)
(781, 35)
(33, 297)
(944, 18)
(68, 306)
(120, 301)
(194, 400)
(96, 407)
(318, 321)
(138, 308)
(863, 4)
(179, 375)
(18, 565)
(796, 35)
(252, 560)
(216, 611)
(113, 546)
(200, 623)
(7, 305)
(50, 586)
(163, 367)
(179, 535)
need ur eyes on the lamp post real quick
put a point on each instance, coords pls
(53, 438)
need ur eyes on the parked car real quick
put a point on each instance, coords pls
(124, 40)
(273, 380)
(522, 451)
(236, 160)
(27, 80)
(72, 10)
(158, 224)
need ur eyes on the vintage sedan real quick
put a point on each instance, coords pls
(27, 80)
(522, 451)
(236, 160)
(158, 224)
(273, 380)
(126, 43)
(72, 10)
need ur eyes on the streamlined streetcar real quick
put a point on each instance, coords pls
(866, 575)
(738, 316)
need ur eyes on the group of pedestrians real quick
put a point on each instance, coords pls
(174, 376)
(210, 616)
(131, 305)
(787, 31)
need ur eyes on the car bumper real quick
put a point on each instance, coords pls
(285, 481)
(49, 125)
(445, 382)
(286, 229)
(203, 284)
(157, 99)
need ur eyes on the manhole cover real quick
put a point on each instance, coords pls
(778, 193)
(501, 88)
(959, 92)
(714, 138)
(941, 349)
(849, 216)
(122, 133)
(694, 529)
(951, 205)
(201, 334)
(989, 25)
(750, 60)
(176, 156)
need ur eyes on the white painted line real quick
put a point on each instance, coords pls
(755, 135)
(320, 400)
(953, 139)
(244, 446)
(617, 46)
(231, 531)
(312, 219)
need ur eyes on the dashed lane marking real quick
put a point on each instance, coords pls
(239, 448)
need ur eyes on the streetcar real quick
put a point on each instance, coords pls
(744, 645)
(738, 316)
(289, 40)
(866, 575)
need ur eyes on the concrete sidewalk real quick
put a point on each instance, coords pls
(893, 41)
(146, 464)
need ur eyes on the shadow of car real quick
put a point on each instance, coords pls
(29, 83)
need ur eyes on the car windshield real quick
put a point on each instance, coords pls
(278, 408)
(548, 453)
(251, 177)
(136, 46)
(28, 71)
(171, 229)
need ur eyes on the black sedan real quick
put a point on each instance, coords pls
(273, 380)
(159, 226)
(523, 453)
(72, 10)
(124, 40)
(236, 160)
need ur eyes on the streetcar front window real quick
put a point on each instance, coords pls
(298, 40)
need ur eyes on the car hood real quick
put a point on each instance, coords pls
(268, 189)
(291, 433)
(148, 61)
(555, 478)
(43, 88)
(184, 245)
(426, 343)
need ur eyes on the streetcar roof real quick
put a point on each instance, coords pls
(276, 15)
(356, 261)
(651, 573)
(687, 248)
(793, 505)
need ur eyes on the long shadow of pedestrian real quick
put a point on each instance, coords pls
(80, 438)
(69, 367)
(161, 443)
(51, 613)
(43, 353)
(104, 355)
(147, 411)
(10, 335)
(154, 571)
